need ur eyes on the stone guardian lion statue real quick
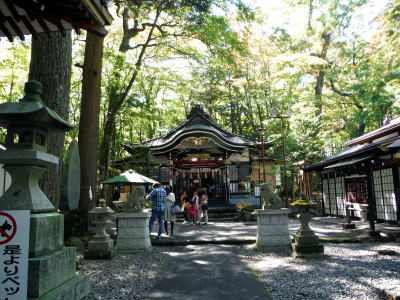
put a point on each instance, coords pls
(270, 199)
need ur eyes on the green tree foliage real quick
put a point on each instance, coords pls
(161, 57)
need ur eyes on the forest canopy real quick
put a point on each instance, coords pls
(333, 63)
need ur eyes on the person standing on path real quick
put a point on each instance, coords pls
(184, 209)
(168, 216)
(204, 207)
(197, 205)
(157, 197)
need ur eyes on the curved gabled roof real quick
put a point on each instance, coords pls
(198, 124)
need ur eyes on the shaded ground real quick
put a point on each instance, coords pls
(207, 272)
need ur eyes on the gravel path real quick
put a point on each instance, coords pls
(126, 277)
(351, 271)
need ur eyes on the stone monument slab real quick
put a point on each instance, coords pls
(71, 179)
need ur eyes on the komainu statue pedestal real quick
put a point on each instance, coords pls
(273, 229)
(133, 232)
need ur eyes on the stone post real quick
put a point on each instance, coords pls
(133, 225)
(273, 229)
(51, 266)
(101, 245)
(306, 243)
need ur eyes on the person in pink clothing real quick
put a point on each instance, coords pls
(192, 213)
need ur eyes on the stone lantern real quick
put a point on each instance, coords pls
(28, 124)
(101, 245)
(52, 268)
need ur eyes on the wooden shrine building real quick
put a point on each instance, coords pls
(364, 175)
(199, 155)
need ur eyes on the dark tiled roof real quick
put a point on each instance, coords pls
(347, 153)
(393, 126)
(197, 121)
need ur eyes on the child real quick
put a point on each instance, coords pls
(192, 213)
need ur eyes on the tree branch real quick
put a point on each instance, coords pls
(339, 92)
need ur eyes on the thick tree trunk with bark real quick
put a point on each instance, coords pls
(89, 120)
(51, 60)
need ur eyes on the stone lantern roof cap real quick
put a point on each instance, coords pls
(31, 110)
(102, 209)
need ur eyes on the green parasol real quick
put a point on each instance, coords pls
(128, 178)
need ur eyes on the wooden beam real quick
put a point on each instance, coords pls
(6, 32)
(12, 9)
(44, 26)
(16, 28)
(28, 25)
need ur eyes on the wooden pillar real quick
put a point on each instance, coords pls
(371, 197)
(322, 192)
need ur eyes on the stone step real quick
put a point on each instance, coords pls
(75, 288)
(49, 271)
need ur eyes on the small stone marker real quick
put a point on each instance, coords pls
(71, 179)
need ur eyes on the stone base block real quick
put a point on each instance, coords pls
(133, 244)
(133, 220)
(308, 249)
(46, 233)
(349, 226)
(99, 254)
(273, 240)
(279, 229)
(47, 272)
(133, 232)
(273, 229)
(75, 288)
(306, 239)
(107, 245)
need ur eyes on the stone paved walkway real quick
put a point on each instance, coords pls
(207, 272)
(328, 229)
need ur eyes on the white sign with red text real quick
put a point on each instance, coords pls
(14, 250)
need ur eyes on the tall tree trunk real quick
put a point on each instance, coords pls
(326, 41)
(89, 121)
(51, 61)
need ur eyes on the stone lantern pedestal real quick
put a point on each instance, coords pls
(306, 243)
(273, 229)
(133, 225)
(101, 245)
(51, 266)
